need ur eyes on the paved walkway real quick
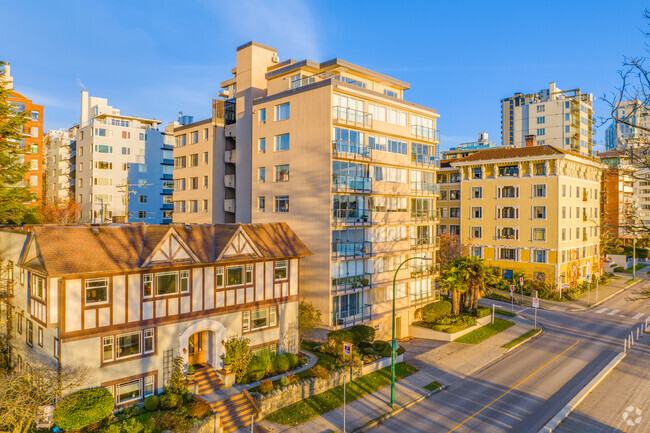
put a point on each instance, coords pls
(435, 360)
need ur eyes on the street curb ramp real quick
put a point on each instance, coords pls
(575, 401)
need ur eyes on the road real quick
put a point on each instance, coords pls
(523, 390)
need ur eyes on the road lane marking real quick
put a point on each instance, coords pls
(637, 316)
(515, 386)
(601, 310)
(611, 313)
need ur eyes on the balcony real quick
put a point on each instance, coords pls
(425, 242)
(229, 180)
(425, 271)
(423, 215)
(423, 132)
(352, 316)
(229, 205)
(425, 188)
(354, 217)
(229, 156)
(350, 283)
(344, 149)
(351, 250)
(349, 116)
(351, 183)
(424, 160)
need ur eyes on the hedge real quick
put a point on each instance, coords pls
(434, 311)
(83, 408)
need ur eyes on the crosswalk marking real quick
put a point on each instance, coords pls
(637, 316)
(611, 313)
(601, 310)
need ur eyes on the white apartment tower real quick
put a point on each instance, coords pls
(564, 119)
(619, 133)
(57, 166)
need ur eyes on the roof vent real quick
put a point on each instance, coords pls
(94, 228)
(188, 227)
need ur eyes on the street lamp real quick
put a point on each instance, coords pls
(394, 345)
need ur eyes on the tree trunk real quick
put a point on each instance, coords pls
(455, 302)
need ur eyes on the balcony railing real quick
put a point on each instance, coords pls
(351, 217)
(425, 242)
(351, 316)
(348, 115)
(425, 271)
(342, 249)
(350, 283)
(344, 149)
(425, 188)
(426, 133)
(424, 160)
(356, 183)
(423, 215)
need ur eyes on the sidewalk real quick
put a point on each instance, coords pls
(444, 362)
(617, 284)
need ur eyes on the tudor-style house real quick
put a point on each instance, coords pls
(125, 300)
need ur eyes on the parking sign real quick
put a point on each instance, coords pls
(347, 348)
(512, 287)
(521, 280)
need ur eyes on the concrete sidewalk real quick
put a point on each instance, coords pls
(436, 361)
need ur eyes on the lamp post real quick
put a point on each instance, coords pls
(394, 345)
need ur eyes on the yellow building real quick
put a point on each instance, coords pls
(533, 210)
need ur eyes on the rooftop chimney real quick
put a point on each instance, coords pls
(530, 140)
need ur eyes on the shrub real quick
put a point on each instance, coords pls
(83, 408)
(362, 334)
(400, 350)
(319, 372)
(266, 359)
(266, 386)
(282, 363)
(190, 369)
(483, 311)
(451, 324)
(369, 351)
(291, 378)
(198, 409)
(132, 425)
(340, 336)
(619, 269)
(171, 420)
(170, 400)
(284, 381)
(256, 376)
(294, 361)
(431, 312)
(151, 403)
(237, 349)
(383, 348)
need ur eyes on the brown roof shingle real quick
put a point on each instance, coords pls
(518, 152)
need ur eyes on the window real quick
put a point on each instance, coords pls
(475, 232)
(539, 190)
(539, 256)
(147, 285)
(142, 199)
(35, 115)
(179, 206)
(126, 134)
(205, 133)
(454, 194)
(128, 391)
(220, 276)
(540, 108)
(509, 233)
(509, 170)
(541, 120)
(476, 252)
(181, 140)
(477, 212)
(205, 206)
(40, 336)
(454, 212)
(19, 323)
(261, 145)
(30, 333)
(149, 386)
(193, 206)
(280, 270)
(128, 345)
(194, 183)
(194, 160)
(259, 319)
(261, 174)
(180, 162)
(96, 291)
(194, 137)
(282, 173)
(390, 93)
(476, 173)
(234, 276)
(107, 348)
(38, 287)
(261, 203)
(507, 254)
(539, 212)
(205, 182)
(206, 158)
(564, 234)
(541, 131)
(539, 234)
(148, 341)
(166, 283)
(281, 142)
(282, 112)
(262, 116)
(185, 281)
(282, 203)
(540, 169)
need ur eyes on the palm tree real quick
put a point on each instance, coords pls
(454, 279)
(465, 277)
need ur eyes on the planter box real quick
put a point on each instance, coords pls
(379, 364)
(430, 334)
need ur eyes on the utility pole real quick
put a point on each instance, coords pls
(126, 189)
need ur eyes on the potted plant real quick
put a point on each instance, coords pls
(227, 363)
(190, 372)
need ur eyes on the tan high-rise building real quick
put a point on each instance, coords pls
(334, 150)
(564, 119)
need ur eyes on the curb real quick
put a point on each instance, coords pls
(535, 335)
(372, 423)
(575, 401)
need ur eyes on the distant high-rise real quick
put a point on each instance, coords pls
(619, 133)
(564, 119)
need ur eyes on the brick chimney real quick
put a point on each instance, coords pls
(530, 140)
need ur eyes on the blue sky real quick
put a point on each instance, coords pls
(153, 59)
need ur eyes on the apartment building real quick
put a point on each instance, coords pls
(563, 119)
(619, 205)
(32, 141)
(57, 168)
(121, 166)
(617, 134)
(125, 300)
(534, 210)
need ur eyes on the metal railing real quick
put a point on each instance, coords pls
(423, 215)
(344, 249)
(421, 271)
(350, 283)
(352, 316)
(356, 183)
(425, 160)
(351, 216)
(346, 149)
(349, 115)
(425, 242)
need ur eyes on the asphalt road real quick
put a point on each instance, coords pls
(523, 390)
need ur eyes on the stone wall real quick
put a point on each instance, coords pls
(430, 334)
(210, 424)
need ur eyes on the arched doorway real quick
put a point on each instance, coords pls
(201, 343)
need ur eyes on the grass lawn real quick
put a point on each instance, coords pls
(632, 281)
(520, 338)
(504, 312)
(485, 332)
(317, 405)
(637, 267)
(433, 385)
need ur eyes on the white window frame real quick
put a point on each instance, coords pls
(106, 301)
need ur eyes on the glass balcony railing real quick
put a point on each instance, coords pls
(351, 216)
(424, 160)
(425, 188)
(425, 242)
(350, 283)
(424, 215)
(351, 316)
(429, 134)
(356, 183)
(351, 249)
(344, 149)
(425, 270)
(348, 115)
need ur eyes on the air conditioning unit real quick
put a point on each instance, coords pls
(275, 58)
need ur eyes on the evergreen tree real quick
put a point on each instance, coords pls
(15, 197)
